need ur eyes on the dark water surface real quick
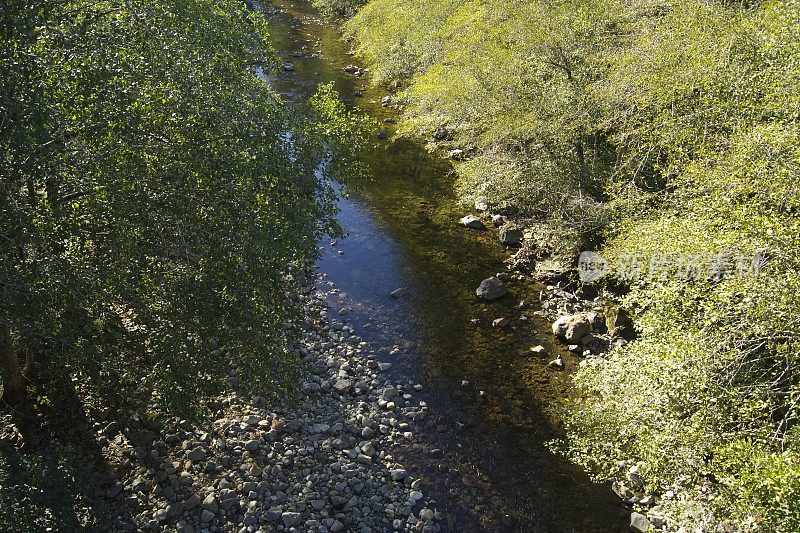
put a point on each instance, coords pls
(494, 405)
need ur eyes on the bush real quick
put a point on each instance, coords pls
(710, 164)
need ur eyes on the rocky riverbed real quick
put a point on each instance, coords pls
(322, 463)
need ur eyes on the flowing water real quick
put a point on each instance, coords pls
(494, 405)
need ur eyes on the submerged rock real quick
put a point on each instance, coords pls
(499, 322)
(491, 289)
(399, 293)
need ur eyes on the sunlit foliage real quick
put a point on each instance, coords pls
(666, 128)
(158, 203)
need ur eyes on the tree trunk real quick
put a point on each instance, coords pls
(15, 390)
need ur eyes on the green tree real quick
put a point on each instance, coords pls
(158, 202)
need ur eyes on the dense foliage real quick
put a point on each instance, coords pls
(338, 7)
(668, 129)
(157, 202)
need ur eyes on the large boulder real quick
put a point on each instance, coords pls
(471, 221)
(571, 328)
(491, 289)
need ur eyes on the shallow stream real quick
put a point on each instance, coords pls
(494, 405)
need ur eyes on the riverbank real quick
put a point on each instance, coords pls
(323, 463)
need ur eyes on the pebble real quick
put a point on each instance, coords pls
(499, 322)
(290, 519)
(472, 222)
(398, 474)
(197, 454)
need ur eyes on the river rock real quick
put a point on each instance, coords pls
(398, 474)
(338, 502)
(510, 235)
(499, 322)
(491, 289)
(498, 220)
(539, 350)
(228, 499)
(210, 503)
(571, 328)
(175, 509)
(557, 363)
(481, 204)
(472, 222)
(342, 385)
(197, 454)
(191, 502)
(640, 523)
(290, 519)
(399, 293)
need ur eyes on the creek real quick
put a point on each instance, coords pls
(483, 452)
